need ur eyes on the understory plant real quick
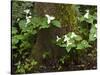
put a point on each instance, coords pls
(26, 24)
(85, 39)
(24, 36)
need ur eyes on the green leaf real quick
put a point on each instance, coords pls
(22, 24)
(19, 37)
(14, 47)
(84, 44)
(14, 30)
(44, 24)
(78, 38)
(68, 49)
(90, 20)
(14, 40)
(36, 21)
(91, 37)
(25, 45)
(56, 23)
(92, 34)
(26, 66)
(80, 46)
(81, 18)
(34, 62)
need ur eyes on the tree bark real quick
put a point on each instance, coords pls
(67, 15)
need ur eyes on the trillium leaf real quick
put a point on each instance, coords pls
(84, 44)
(92, 34)
(14, 47)
(80, 46)
(14, 30)
(78, 38)
(56, 23)
(44, 24)
(22, 24)
(19, 37)
(68, 49)
(33, 62)
(14, 40)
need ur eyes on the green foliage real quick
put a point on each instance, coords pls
(14, 30)
(84, 44)
(17, 9)
(25, 30)
(56, 23)
(26, 66)
(87, 35)
(62, 59)
(24, 33)
(71, 40)
(92, 35)
(88, 22)
(22, 24)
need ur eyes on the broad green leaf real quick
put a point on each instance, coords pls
(14, 30)
(22, 24)
(25, 45)
(14, 40)
(78, 38)
(56, 23)
(68, 49)
(90, 20)
(80, 46)
(44, 24)
(34, 62)
(92, 35)
(84, 44)
(19, 37)
(14, 47)
(26, 66)
(36, 21)
(81, 18)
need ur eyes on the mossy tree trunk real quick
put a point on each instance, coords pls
(67, 15)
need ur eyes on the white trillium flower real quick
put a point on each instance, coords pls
(49, 18)
(28, 19)
(73, 35)
(27, 11)
(58, 38)
(66, 38)
(87, 14)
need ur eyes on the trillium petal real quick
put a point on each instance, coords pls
(66, 38)
(73, 35)
(58, 38)
(27, 11)
(49, 18)
(87, 14)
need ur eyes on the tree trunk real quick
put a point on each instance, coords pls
(67, 15)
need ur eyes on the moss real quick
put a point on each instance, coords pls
(67, 16)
